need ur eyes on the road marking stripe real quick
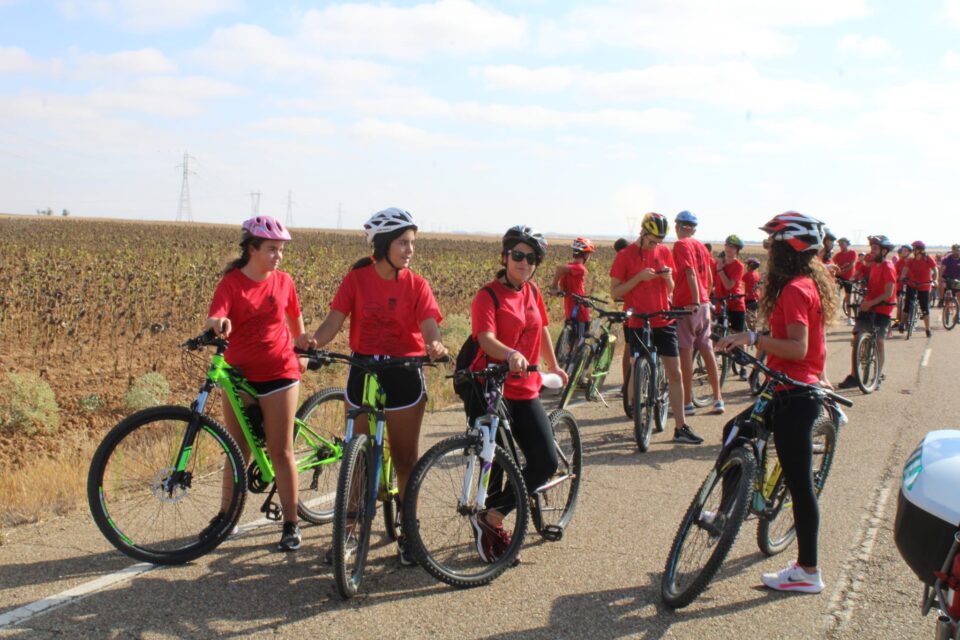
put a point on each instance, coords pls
(925, 360)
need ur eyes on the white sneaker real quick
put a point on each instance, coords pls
(850, 322)
(794, 578)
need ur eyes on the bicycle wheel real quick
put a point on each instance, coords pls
(776, 528)
(868, 362)
(557, 498)
(437, 520)
(911, 318)
(708, 529)
(391, 505)
(949, 315)
(353, 516)
(318, 449)
(577, 365)
(643, 404)
(138, 506)
(702, 391)
(564, 346)
(662, 400)
(847, 308)
(599, 367)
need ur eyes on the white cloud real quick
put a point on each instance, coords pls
(18, 60)
(951, 11)
(693, 27)
(951, 61)
(372, 129)
(445, 26)
(240, 49)
(803, 132)
(165, 96)
(516, 77)
(864, 46)
(148, 15)
(138, 62)
(296, 126)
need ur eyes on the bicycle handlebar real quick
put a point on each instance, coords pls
(589, 301)
(320, 358)
(206, 339)
(743, 358)
(490, 371)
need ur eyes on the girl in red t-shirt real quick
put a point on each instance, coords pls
(392, 313)
(514, 330)
(257, 308)
(799, 299)
(571, 278)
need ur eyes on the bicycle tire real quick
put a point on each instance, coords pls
(324, 416)
(599, 368)
(555, 505)
(702, 393)
(847, 308)
(563, 349)
(351, 539)
(147, 521)
(949, 314)
(868, 362)
(576, 372)
(662, 400)
(776, 528)
(391, 507)
(438, 527)
(642, 404)
(728, 510)
(911, 318)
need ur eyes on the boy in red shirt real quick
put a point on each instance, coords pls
(919, 273)
(730, 276)
(845, 261)
(642, 275)
(877, 306)
(571, 278)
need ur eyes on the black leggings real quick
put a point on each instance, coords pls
(792, 420)
(534, 436)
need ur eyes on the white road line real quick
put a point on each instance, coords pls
(24, 613)
(925, 360)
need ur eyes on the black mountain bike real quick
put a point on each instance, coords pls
(746, 478)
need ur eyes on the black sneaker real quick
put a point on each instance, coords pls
(403, 552)
(290, 540)
(929, 333)
(685, 435)
(848, 383)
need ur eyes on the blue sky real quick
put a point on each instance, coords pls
(573, 117)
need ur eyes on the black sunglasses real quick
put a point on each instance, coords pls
(520, 256)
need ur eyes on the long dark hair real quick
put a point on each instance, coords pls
(244, 258)
(784, 265)
(381, 247)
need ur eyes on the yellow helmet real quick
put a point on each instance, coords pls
(655, 224)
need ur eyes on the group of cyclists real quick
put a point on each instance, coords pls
(393, 313)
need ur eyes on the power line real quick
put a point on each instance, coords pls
(185, 191)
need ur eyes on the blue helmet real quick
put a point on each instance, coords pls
(685, 217)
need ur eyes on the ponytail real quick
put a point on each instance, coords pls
(244, 258)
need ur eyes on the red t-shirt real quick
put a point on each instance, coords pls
(734, 271)
(385, 314)
(918, 272)
(518, 323)
(646, 297)
(880, 274)
(573, 282)
(751, 280)
(691, 253)
(899, 266)
(260, 343)
(862, 269)
(845, 261)
(799, 303)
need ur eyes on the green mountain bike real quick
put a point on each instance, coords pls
(160, 479)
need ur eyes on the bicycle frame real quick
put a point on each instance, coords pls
(374, 401)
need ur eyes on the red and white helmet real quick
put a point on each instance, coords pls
(801, 232)
(582, 245)
(266, 227)
(388, 221)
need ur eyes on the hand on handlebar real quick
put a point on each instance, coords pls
(518, 364)
(220, 326)
(436, 350)
(729, 342)
(305, 342)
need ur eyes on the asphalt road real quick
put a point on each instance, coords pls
(600, 581)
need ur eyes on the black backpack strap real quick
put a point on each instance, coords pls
(493, 296)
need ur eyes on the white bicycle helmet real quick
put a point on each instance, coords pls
(388, 221)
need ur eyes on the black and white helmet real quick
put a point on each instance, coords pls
(388, 221)
(528, 235)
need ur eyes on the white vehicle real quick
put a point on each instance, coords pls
(927, 528)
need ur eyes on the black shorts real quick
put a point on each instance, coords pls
(273, 386)
(664, 339)
(753, 305)
(403, 387)
(738, 320)
(870, 319)
(846, 285)
(923, 297)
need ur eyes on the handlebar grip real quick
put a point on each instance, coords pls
(841, 400)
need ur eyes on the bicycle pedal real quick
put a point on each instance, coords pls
(552, 533)
(272, 511)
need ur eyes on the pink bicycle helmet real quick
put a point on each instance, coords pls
(266, 227)
(918, 244)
